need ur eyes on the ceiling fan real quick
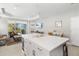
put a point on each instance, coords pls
(4, 12)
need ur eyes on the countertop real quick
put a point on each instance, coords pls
(47, 42)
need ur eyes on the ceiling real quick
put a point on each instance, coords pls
(43, 9)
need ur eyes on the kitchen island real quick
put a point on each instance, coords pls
(37, 45)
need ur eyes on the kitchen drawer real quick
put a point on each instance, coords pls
(27, 43)
(39, 51)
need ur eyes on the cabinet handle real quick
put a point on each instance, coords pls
(39, 49)
(29, 42)
(33, 52)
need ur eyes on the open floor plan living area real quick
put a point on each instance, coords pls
(39, 29)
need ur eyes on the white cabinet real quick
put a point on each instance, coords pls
(40, 51)
(28, 48)
(57, 52)
(32, 49)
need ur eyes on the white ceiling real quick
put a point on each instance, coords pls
(44, 9)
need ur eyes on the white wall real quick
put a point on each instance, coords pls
(3, 26)
(50, 25)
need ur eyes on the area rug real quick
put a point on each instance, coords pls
(11, 42)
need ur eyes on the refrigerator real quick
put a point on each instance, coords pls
(74, 28)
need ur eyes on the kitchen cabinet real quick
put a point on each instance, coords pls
(28, 48)
(31, 49)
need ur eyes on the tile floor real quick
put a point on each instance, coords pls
(12, 50)
(73, 50)
(15, 50)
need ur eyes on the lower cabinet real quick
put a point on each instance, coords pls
(32, 49)
(28, 48)
(40, 51)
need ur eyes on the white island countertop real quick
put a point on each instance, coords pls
(48, 42)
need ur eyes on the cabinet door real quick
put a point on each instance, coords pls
(32, 49)
(42, 52)
(39, 51)
(28, 48)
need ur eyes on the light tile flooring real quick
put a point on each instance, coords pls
(12, 50)
(15, 50)
(73, 50)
